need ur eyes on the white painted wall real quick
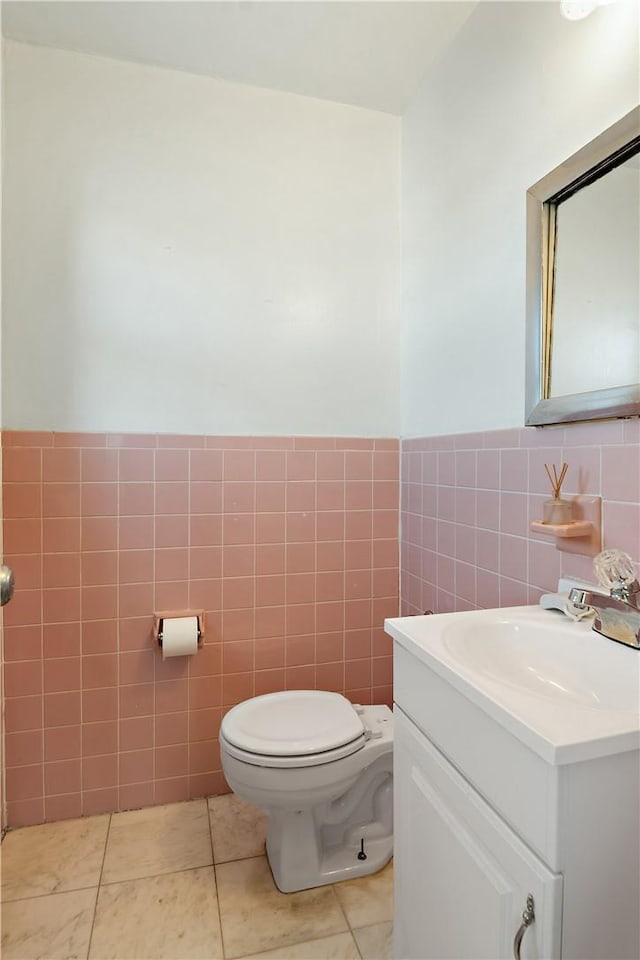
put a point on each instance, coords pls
(519, 90)
(183, 254)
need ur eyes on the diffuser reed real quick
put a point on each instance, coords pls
(556, 510)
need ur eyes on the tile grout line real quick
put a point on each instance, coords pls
(95, 906)
(303, 943)
(51, 893)
(111, 883)
(344, 914)
(153, 876)
(215, 876)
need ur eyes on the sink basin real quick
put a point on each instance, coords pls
(563, 689)
(543, 660)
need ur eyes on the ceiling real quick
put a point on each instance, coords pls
(369, 54)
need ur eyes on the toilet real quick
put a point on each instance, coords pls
(322, 769)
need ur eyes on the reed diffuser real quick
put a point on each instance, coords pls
(556, 510)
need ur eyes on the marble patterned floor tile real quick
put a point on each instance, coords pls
(367, 900)
(55, 927)
(375, 942)
(53, 857)
(174, 915)
(341, 946)
(156, 840)
(237, 827)
(256, 917)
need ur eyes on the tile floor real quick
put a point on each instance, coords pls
(187, 880)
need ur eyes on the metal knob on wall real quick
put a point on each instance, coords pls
(7, 584)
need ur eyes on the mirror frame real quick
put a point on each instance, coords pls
(588, 164)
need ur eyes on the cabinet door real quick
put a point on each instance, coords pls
(462, 875)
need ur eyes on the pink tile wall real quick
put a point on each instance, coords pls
(290, 545)
(468, 499)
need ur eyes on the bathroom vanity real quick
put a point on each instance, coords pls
(517, 775)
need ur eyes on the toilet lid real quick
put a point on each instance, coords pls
(292, 723)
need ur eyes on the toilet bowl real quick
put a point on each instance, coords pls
(322, 769)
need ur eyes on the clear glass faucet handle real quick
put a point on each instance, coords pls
(614, 567)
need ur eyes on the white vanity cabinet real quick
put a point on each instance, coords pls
(491, 806)
(463, 876)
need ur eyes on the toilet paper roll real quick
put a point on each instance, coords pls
(179, 637)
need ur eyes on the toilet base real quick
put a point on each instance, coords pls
(325, 844)
(337, 865)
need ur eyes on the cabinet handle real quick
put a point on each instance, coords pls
(527, 919)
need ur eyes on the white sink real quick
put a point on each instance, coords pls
(559, 686)
(543, 660)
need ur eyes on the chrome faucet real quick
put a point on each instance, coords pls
(617, 615)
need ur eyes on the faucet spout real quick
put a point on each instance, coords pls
(617, 615)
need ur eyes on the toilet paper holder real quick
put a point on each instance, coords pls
(158, 622)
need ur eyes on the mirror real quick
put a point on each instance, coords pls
(583, 283)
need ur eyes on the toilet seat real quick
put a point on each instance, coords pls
(295, 728)
(297, 760)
